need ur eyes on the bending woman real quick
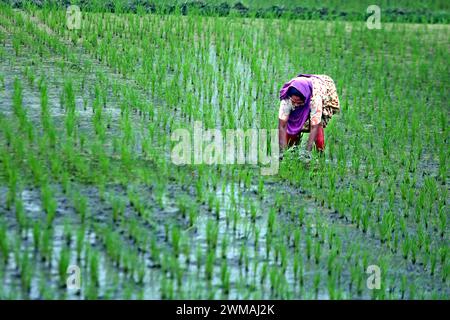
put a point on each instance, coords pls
(307, 103)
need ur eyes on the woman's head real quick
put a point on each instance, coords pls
(297, 98)
(299, 90)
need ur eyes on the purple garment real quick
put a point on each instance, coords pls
(298, 116)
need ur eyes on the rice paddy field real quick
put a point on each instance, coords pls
(87, 182)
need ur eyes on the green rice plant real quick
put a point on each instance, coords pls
(79, 242)
(113, 246)
(433, 261)
(94, 267)
(365, 221)
(19, 111)
(298, 268)
(387, 226)
(20, 214)
(36, 168)
(225, 278)
(16, 41)
(442, 221)
(253, 212)
(331, 285)
(263, 273)
(155, 252)
(273, 276)
(12, 185)
(4, 243)
(46, 245)
(182, 202)
(48, 203)
(175, 239)
(331, 260)
(403, 226)
(443, 255)
(193, 213)
(199, 259)
(412, 291)
(63, 264)
(297, 239)
(261, 188)
(301, 216)
(316, 283)
(26, 272)
(445, 272)
(186, 249)
(224, 247)
(36, 234)
(166, 288)
(92, 291)
(140, 272)
(242, 255)
(217, 208)
(406, 247)
(271, 222)
(80, 203)
(269, 240)
(210, 201)
(212, 233)
(317, 252)
(67, 232)
(118, 207)
(30, 76)
(209, 267)
(356, 214)
(283, 258)
(308, 246)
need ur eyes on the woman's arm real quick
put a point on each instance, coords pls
(283, 117)
(315, 117)
(282, 136)
(312, 136)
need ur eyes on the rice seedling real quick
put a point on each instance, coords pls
(93, 267)
(308, 246)
(4, 244)
(20, 214)
(36, 235)
(316, 283)
(46, 245)
(48, 203)
(17, 44)
(79, 242)
(175, 237)
(63, 264)
(317, 252)
(209, 266)
(118, 208)
(406, 248)
(80, 203)
(212, 233)
(26, 272)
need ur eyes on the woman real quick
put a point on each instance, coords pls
(307, 103)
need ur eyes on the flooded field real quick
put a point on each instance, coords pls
(93, 207)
